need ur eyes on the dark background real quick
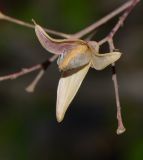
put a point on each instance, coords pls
(28, 126)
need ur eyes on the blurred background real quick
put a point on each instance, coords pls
(28, 126)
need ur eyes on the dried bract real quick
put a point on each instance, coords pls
(75, 58)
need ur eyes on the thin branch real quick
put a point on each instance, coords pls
(119, 23)
(31, 87)
(90, 36)
(128, 5)
(109, 39)
(29, 25)
(20, 73)
(121, 129)
(25, 71)
(126, 8)
(81, 33)
(104, 19)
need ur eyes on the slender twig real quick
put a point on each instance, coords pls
(121, 129)
(81, 33)
(25, 71)
(20, 73)
(130, 4)
(90, 36)
(126, 8)
(31, 87)
(104, 19)
(119, 23)
(29, 25)
(109, 39)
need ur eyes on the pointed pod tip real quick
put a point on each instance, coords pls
(118, 54)
(59, 117)
(100, 61)
(67, 89)
(60, 110)
(34, 21)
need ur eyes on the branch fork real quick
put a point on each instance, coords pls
(125, 9)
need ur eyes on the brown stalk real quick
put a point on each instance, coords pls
(126, 8)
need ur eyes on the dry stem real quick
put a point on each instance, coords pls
(126, 8)
(25, 71)
(128, 5)
(29, 25)
(20, 73)
(109, 39)
(105, 19)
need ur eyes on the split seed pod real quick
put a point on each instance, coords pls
(75, 58)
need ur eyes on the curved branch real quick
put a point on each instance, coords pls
(105, 19)
(29, 25)
(25, 71)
